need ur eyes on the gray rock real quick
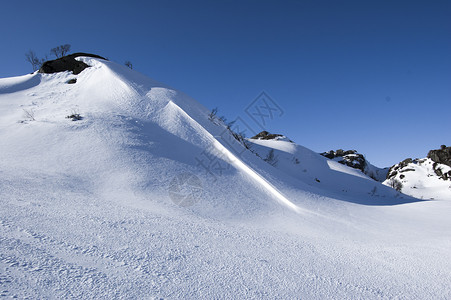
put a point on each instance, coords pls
(349, 158)
(442, 155)
(265, 135)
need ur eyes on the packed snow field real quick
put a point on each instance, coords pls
(120, 204)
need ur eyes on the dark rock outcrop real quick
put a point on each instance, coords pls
(349, 158)
(399, 168)
(265, 135)
(441, 156)
(67, 63)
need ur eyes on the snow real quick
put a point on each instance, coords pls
(420, 181)
(86, 209)
(283, 146)
(379, 174)
(318, 174)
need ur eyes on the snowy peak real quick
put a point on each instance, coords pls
(155, 133)
(131, 134)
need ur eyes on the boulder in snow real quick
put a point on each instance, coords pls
(67, 63)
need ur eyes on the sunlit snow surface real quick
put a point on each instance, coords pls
(86, 208)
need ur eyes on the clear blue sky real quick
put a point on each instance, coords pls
(374, 76)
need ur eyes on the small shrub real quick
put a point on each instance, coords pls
(75, 115)
(270, 158)
(29, 114)
(230, 124)
(373, 191)
(129, 64)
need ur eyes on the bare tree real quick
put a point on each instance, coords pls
(34, 60)
(129, 64)
(29, 113)
(212, 114)
(395, 184)
(230, 125)
(60, 51)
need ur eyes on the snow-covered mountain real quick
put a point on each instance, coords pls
(426, 178)
(113, 185)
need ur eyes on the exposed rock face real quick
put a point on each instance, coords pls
(441, 156)
(349, 158)
(66, 63)
(400, 168)
(265, 135)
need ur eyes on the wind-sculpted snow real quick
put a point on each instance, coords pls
(122, 204)
(17, 84)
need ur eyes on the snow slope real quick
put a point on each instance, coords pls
(145, 197)
(356, 160)
(322, 175)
